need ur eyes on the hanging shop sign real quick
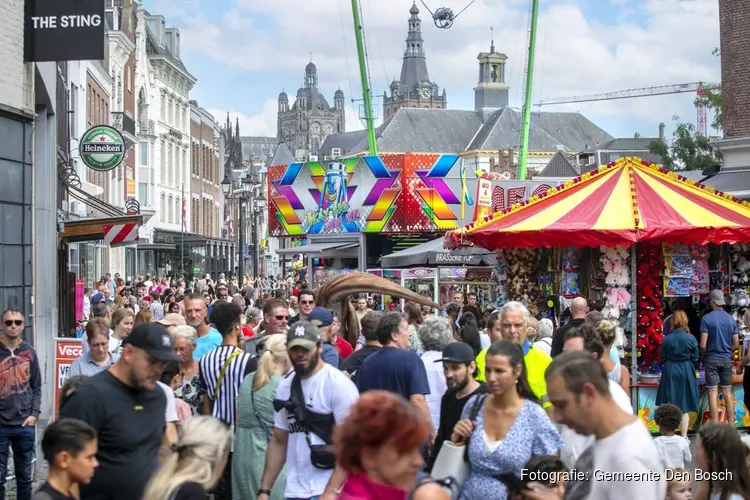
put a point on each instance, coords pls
(102, 148)
(63, 30)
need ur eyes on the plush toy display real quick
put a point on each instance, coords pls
(650, 311)
(521, 282)
(740, 257)
(616, 263)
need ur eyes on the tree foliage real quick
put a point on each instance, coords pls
(688, 150)
(711, 100)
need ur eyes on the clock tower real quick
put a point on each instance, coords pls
(414, 89)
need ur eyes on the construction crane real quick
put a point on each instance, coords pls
(698, 87)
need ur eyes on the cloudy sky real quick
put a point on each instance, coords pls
(244, 52)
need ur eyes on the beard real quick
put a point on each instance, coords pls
(304, 370)
(461, 384)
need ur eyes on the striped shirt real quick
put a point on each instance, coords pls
(210, 367)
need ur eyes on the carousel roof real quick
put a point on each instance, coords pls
(620, 203)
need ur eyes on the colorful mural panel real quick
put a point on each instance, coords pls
(385, 194)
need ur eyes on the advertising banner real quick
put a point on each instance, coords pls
(66, 351)
(63, 30)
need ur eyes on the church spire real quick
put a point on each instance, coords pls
(414, 66)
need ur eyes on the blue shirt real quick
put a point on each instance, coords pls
(84, 365)
(394, 370)
(207, 343)
(330, 355)
(720, 327)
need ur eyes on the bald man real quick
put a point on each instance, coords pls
(578, 309)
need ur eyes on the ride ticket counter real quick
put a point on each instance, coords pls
(646, 397)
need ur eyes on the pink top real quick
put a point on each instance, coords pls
(183, 410)
(361, 487)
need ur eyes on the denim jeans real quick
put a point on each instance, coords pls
(22, 441)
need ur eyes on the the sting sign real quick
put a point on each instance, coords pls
(63, 30)
(66, 351)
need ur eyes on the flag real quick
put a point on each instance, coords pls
(228, 223)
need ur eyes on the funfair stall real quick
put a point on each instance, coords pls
(630, 233)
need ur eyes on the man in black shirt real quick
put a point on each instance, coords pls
(127, 410)
(353, 363)
(459, 367)
(578, 309)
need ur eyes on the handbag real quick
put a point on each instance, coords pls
(452, 461)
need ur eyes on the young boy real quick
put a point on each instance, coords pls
(69, 446)
(674, 450)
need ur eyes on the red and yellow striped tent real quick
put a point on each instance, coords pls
(621, 203)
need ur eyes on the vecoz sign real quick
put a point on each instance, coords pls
(63, 30)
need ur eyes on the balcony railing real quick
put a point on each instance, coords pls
(123, 123)
(146, 127)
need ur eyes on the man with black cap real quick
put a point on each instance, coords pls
(327, 394)
(459, 367)
(127, 410)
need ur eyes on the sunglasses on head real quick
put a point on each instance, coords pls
(17, 322)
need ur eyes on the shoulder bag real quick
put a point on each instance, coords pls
(452, 461)
(257, 415)
(321, 455)
(223, 371)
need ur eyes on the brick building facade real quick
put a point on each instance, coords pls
(97, 113)
(205, 173)
(734, 22)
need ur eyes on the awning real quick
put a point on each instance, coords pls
(433, 252)
(621, 203)
(317, 248)
(114, 230)
(735, 183)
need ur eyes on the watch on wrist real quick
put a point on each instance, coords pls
(264, 491)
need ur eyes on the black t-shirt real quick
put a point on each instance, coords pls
(450, 413)
(354, 362)
(190, 491)
(129, 424)
(558, 338)
(47, 492)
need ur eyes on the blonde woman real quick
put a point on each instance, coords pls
(121, 324)
(255, 420)
(195, 463)
(615, 371)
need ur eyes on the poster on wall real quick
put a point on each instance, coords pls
(66, 351)
(387, 194)
(63, 30)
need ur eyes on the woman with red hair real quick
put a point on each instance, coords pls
(379, 446)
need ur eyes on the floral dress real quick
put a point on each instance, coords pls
(190, 392)
(532, 433)
(414, 340)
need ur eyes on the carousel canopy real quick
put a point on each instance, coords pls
(621, 203)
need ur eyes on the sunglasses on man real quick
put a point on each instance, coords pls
(282, 318)
(11, 322)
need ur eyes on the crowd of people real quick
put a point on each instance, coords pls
(191, 389)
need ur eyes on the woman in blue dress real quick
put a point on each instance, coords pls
(678, 384)
(510, 426)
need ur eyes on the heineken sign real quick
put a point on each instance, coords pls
(102, 148)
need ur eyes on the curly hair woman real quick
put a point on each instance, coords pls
(379, 447)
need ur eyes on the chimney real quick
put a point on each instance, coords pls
(734, 33)
(661, 132)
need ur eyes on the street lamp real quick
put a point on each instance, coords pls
(226, 186)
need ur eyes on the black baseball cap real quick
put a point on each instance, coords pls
(303, 334)
(154, 339)
(457, 352)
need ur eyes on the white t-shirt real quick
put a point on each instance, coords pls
(630, 450)
(436, 382)
(484, 340)
(576, 444)
(674, 451)
(327, 392)
(171, 412)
